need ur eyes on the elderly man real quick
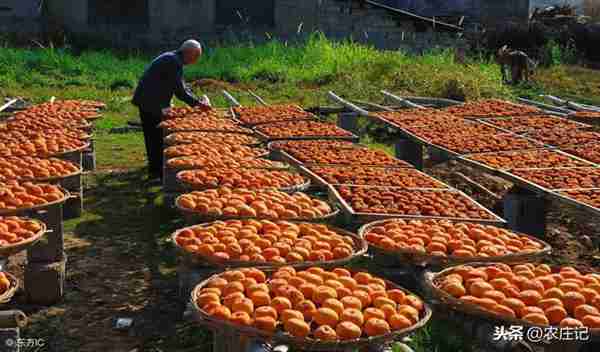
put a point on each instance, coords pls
(161, 80)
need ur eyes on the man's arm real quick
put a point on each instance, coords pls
(182, 92)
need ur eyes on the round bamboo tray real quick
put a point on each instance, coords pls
(422, 259)
(10, 292)
(170, 141)
(7, 251)
(67, 195)
(65, 152)
(264, 155)
(52, 179)
(450, 302)
(202, 218)
(308, 344)
(360, 248)
(291, 189)
(278, 165)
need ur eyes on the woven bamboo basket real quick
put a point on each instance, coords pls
(291, 189)
(12, 289)
(360, 248)
(7, 251)
(422, 259)
(67, 195)
(194, 217)
(307, 344)
(431, 281)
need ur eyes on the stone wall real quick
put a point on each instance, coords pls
(174, 20)
(377, 27)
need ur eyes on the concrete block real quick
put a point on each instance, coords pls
(51, 247)
(45, 281)
(73, 207)
(525, 212)
(88, 161)
(410, 151)
(349, 122)
(188, 276)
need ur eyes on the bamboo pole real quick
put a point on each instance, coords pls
(232, 101)
(258, 98)
(570, 104)
(348, 104)
(401, 100)
(372, 106)
(550, 108)
(7, 105)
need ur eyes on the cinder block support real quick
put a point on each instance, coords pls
(73, 207)
(51, 246)
(349, 122)
(525, 211)
(170, 183)
(9, 339)
(75, 157)
(45, 281)
(189, 276)
(88, 161)
(409, 151)
(437, 156)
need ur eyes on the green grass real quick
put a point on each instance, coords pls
(123, 233)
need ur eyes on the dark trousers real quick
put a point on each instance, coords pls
(154, 142)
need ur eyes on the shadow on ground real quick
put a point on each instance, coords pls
(120, 264)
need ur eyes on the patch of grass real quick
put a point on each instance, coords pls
(120, 151)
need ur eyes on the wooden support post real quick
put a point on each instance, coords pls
(51, 247)
(525, 212)
(9, 339)
(349, 122)
(410, 151)
(45, 281)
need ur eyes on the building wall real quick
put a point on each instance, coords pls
(174, 20)
(20, 19)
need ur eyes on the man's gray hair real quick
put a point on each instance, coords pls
(190, 44)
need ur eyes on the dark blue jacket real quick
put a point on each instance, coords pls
(161, 80)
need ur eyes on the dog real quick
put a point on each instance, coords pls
(521, 66)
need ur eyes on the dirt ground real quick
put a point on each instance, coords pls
(119, 265)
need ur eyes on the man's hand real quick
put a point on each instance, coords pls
(204, 104)
(205, 100)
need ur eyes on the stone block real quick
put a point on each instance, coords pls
(51, 247)
(45, 281)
